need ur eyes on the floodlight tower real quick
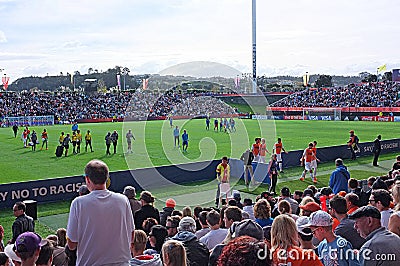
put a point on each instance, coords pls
(254, 46)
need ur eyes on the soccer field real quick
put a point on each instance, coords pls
(154, 144)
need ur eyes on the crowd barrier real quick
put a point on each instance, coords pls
(62, 189)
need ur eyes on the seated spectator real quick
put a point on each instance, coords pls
(45, 255)
(147, 210)
(379, 241)
(130, 193)
(285, 195)
(167, 210)
(309, 208)
(177, 213)
(4, 260)
(297, 196)
(148, 224)
(321, 227)
(232, 214)
(174, 254)
(345, 228)
(248, 208)
(217, 234)
(172, 225)
(262, 213)
(204, 226)
(352, 202)
(60, 257)
(269, 197)
(157, 236)
(245, 250)
(187, 212)
(27, 247)
(379, 184)
(237, 198)
(381, 199)
(394, 220)
(305, 233)
(284, 208)
(196, 213)
(137, 248)
(196, 252)
(284, 239)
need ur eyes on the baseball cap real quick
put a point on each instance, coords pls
(28, 242)
(170, 203)
(236, 194)
(9, 250)
(248, 228)
(311, 206)
(366, 211)
(351, 131)
(301, 224)
(320, 218)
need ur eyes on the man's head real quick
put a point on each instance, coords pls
(187, 224)
(380, 199)
(247, 228)
(338, 162)
(97, 172)
(232, 214)
(28, 245)
(367, 219)
(19, 208)
(320, 224)
(353, 183)
(352, 200)
(338, 205)
(225, 159)
(130, 192)
(213, 218)
(172, 224)
(285, 192)
(279, 140)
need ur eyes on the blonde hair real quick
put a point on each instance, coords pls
(396, 195)
(304, 201)
(187, 211)
(283, 232)
(284, 207)
(262, 209)
(139, 241)
(174, 254)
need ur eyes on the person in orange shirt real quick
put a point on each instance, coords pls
(352, 201)
(263, 151)
(306, 159)
(278, 148)
(45, 139)
(256, 150)
(314, 163)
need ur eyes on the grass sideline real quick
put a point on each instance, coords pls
(154, 144)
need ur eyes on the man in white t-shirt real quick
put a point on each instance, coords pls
(100, 224)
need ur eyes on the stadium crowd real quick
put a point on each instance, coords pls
(70, 106)
(357, 226)
(355, 95)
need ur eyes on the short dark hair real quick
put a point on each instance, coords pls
(338, 203)
(213, 218)
(353, 183)
(174, 220)
(371, 180)
(197, 210)
(353, 198)
(233, 213)
(46, 252)
(383, 196)
(203, 217)
(20, 205)
(97, 171)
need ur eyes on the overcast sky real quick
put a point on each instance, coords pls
(40, 37)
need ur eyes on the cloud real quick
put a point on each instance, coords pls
(2, 37)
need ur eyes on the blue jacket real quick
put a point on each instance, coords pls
(339, 178)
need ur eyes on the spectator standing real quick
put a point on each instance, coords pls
(381, 199)
(129, 137)
(46, 254)
(172, 225)
(167, 210)
(339, 178)
(130, 193)
(27, 247)
(174, 254)
(376, 150)
(114, 139)
(147, 210)
(217, 234)
(157, 236)
(380, 243)
(204, 226)
(138, 246)
(23, 223)
(247, 158)
(285, 195)
(85, 230)
(394, 221)
(262, 213)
